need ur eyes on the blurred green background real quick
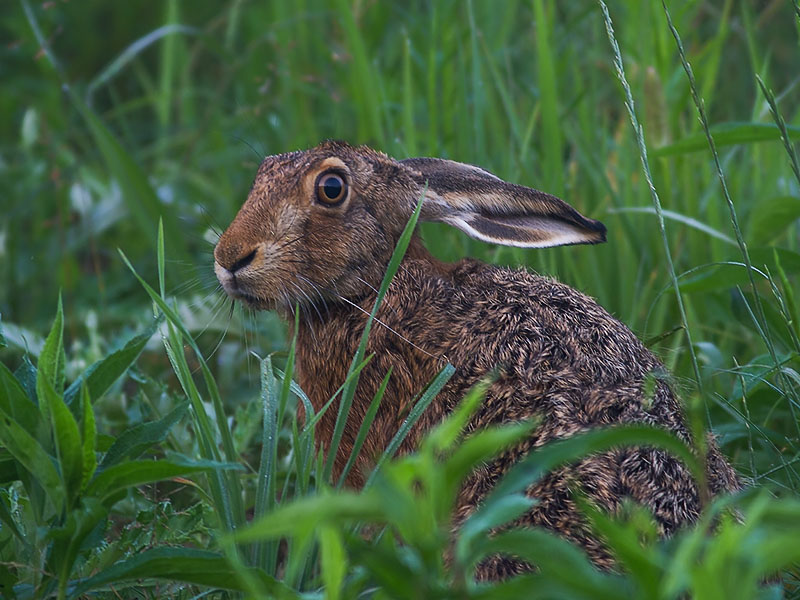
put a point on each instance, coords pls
(150, 109)
(119, 114)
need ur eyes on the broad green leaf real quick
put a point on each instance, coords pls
(66, 434)
(385, 565)
(3, 343)
(132, 442)
(26, 376)
(8, 467)
(30, 454)
(333, 560)
(309, 513)
(501, 511)
(626, 541)
(52, 360)
(101, 375)
(89, 439)
(726, 134)
(479, 447)
(446, 433)
(8, 521)
(484, 444)
(138, 472)
(565, 569)
(68, 539)
(562, 452)
(189, 565)
(16, 403)
(771, 217)
(8, 579)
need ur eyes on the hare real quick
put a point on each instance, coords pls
(318, 229)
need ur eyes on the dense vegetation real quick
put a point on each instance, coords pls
(153, 419)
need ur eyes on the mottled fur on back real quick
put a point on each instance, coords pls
(560, 357)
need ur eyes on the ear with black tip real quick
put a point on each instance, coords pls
(489, 209)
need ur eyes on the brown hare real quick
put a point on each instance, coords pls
(319, 227)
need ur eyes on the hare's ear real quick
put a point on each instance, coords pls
(492, 210)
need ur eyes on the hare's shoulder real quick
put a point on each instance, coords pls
(506, 314)
(560, 353)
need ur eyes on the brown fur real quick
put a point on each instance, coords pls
(561, 356)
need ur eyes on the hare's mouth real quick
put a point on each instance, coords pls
(251, 300)
(234, 288)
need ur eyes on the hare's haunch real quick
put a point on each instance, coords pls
(318, 229)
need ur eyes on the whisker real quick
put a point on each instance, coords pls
(318, 292)
(336, 293)
(225, 331)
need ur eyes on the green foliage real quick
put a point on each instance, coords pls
(63, 500)
(128, 470)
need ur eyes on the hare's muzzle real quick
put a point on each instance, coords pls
(237, 269)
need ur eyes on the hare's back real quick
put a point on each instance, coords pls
(562, 355)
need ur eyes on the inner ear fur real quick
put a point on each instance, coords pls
(492, 210)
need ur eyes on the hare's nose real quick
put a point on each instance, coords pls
(242, 262)
(234, 262)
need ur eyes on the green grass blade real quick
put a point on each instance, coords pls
(349, 391)
(364, 83)
(169, 51)
(761, 318)
(140, 198)
(132, 52)
(678, 218)
(308, 426)
(363, 430)
(551, 143)
(233, 488)
(639, 133)
(727, 134)
(786, 138)
(419, 407)
(409, 126)
(265, 554)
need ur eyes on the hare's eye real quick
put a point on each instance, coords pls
(331, 189)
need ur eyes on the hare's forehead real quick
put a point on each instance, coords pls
(298, 165)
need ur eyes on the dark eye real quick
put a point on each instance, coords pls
(331, 189)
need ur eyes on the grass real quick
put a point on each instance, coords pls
(164, 119)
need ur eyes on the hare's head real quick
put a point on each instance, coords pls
(324, 222)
